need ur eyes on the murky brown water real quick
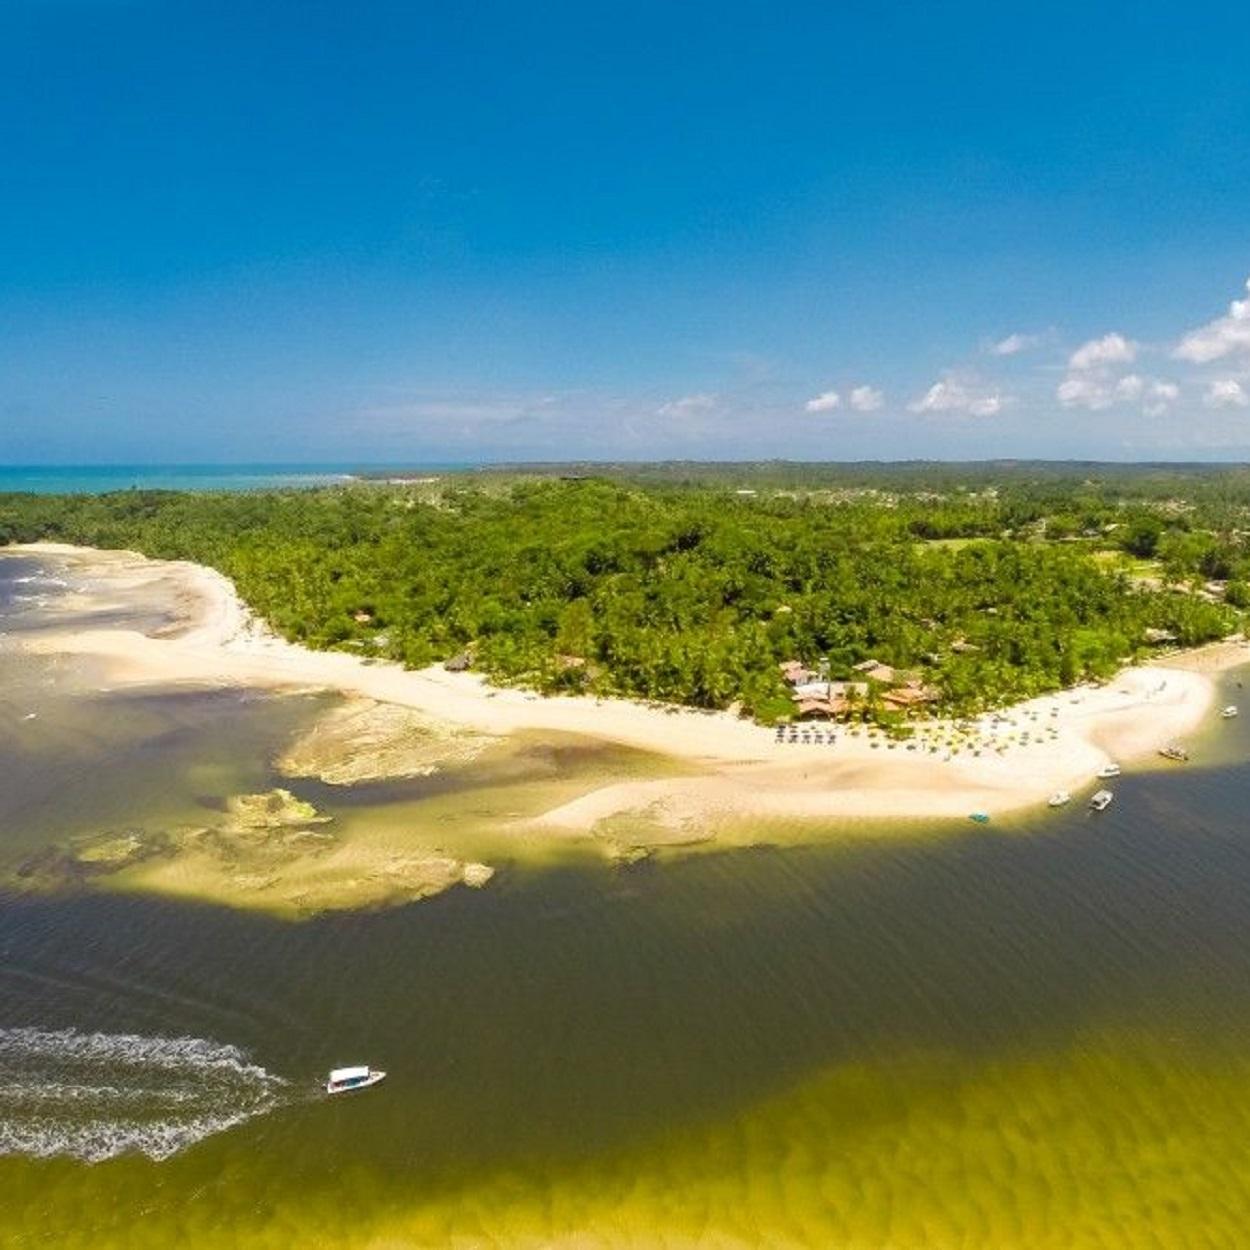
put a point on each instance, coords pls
(1033, 1036)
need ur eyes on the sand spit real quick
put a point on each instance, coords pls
(413, 721)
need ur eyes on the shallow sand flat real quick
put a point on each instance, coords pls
(1215, 657)
(364, 740)
(1008, 761)
(267, 851)
(348, 876)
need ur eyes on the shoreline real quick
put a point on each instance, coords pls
(1012, 759)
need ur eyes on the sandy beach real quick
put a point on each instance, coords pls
(738, 771)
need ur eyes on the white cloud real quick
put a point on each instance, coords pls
(1097, 391)
(1111, 349)
(687, 406)
(861, 398)
(1219, 338)
(941, 397)
(1083, 392)
(1013, 344)
(987, 406)
(954, 394)
(1129, 387)
(439, 411)
(826, 401)
(866, 399)
(1159, 397)
(1226, 393)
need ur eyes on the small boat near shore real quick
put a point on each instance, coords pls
(1101, 800)
(1059, 798)
(345, 1080)
(1229, 712)
(1174, 751)
(981, 818)
(1107, 771)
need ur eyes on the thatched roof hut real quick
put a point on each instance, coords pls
(796, 672)
(874, 670)
(909, 696)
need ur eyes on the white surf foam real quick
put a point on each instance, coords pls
(93, 1096)
(41, 579)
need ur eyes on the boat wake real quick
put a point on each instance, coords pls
(93, 1096)
(41, 579)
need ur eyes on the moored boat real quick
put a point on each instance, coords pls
(344, 1080)
(1101, 801)
(981, 818)
(1229, 712)
(1174, 751)
(1109, 770)
(1059, 798)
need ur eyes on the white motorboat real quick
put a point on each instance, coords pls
(1229, 712)
(1109, 770)
(345, 1080)
(1059, 798)
(1101, 801)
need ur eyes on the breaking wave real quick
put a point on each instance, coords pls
(93, 1096)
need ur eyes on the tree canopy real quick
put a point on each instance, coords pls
(693, 592)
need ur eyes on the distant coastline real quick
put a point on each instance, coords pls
(774, 473)
(97, 479)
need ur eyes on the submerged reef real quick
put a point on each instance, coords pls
(271, 852)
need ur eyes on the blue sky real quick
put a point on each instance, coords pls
(406, 232)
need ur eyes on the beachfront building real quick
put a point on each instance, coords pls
(816, 709)
(909, 696)
(816, 695)
(828, 699)
(874, 670)
(795, 673)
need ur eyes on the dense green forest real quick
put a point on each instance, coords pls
(692, 583)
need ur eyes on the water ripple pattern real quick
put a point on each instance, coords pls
(93, 1096)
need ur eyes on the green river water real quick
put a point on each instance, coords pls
(1035, 1034)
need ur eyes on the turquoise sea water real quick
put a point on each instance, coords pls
(91, 479)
